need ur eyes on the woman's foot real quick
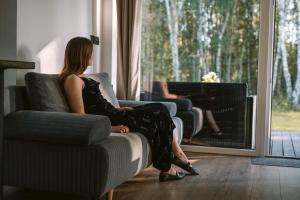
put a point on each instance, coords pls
(171, 175)
(163, 176)
(185, 165)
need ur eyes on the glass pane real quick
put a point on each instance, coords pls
(205, 54)
(285, 135)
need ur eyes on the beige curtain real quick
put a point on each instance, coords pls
(129, 28)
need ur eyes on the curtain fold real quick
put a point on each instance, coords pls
(129, 14)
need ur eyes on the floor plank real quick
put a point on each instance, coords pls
(277, 145)
(266, 184)
(288, 149)
(289, 180)
(296, 142)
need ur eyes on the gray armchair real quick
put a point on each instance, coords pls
(54, 150)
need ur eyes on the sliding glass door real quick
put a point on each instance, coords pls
(205, 54)
(285, 129)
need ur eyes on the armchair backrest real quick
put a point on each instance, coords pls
(18, 96)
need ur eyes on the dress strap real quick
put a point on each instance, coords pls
(89, 81)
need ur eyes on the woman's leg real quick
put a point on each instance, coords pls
(212, 122)
(181, 160)
(149, 118)
(178, 152)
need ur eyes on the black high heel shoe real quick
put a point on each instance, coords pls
(163, 176)
(185, 165)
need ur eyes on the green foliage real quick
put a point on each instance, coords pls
(287, 120)
(238, 46)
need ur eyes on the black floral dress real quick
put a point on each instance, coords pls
(152, 120)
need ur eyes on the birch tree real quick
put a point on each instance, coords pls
(174, 10)
(241, 65)
(202, 36)
(221, 33)
(233, 27)
(275, 69)
(296, 91)
(281, 44)
(276, 65)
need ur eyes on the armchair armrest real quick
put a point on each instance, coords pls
(130, 103)
(182, 104)
(56, 127)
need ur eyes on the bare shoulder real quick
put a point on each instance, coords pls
(73, 81)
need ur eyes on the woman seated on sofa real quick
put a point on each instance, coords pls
(152, 120)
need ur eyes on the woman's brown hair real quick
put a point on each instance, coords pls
(77, 55)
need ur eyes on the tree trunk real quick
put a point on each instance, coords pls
(228, 63)
(241, 67)
(233, 27)
(275, 68)
(296, 91)
(202, 37)
(219, 46)
(249, 69)
(286, 73)
(173, 13)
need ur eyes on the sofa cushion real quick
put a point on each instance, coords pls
(106, 88)
(45, 92)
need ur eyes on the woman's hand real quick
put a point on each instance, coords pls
(119, 129)
(125, 108)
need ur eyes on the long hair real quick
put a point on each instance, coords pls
(77, 55)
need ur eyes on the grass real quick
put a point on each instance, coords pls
(286, 121)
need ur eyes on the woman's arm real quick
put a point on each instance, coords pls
(166, 93)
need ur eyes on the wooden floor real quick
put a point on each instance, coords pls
(285, 143)
(221, 177)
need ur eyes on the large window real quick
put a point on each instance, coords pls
(183, 40)
(285, 136)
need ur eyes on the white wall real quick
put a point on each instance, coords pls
(45, 26)
(108, 61)
(8, 19)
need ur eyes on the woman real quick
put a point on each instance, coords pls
(152, 120)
